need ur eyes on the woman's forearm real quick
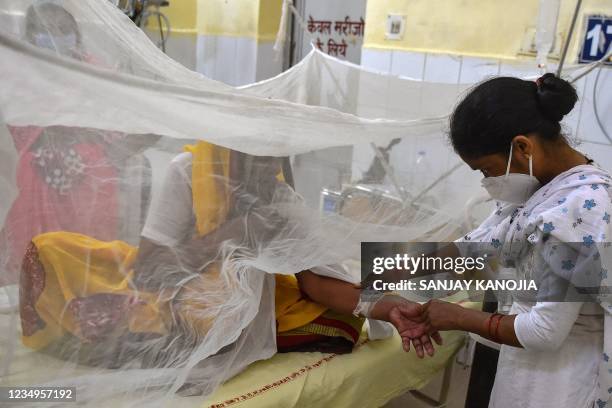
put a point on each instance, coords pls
(481, 323)
(487, 326)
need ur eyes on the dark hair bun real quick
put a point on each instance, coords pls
(556, 96)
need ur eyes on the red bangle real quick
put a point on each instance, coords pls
(496, 337)
(489, 322)
(493, 334)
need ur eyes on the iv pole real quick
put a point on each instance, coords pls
(569, 38)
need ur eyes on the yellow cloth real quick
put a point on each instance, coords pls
(79, 266)
(210, 173)
(292, 309)
(211, 197)
(369, 377)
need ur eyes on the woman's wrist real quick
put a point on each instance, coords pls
(467, 319)
(458, 317)
(446, 315)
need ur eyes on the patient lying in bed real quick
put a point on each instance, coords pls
(104, 300)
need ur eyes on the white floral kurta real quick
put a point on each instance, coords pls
(564, 230)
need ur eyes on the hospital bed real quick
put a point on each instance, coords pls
(373, 374)
(376, 372)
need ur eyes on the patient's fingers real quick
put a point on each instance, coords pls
(426, 341)
(422, 344)
(437, 338)
(418, 347)
(406, 344)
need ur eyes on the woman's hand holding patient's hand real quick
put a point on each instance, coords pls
(410, 321)
(442, 315)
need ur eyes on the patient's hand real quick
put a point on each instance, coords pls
(412, 324)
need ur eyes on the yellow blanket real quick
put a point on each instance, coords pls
(374, 373)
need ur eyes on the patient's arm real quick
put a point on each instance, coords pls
(342, 297)
(338, 295)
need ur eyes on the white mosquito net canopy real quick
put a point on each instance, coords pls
(146, 209)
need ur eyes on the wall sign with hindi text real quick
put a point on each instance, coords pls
(335, 37)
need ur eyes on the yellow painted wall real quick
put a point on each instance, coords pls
(486, 28)
(182, 15)
(257, 19)
(269, 18)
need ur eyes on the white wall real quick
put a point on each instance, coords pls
(579, 125)
(236, 60)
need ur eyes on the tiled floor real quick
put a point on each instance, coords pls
(457, 392)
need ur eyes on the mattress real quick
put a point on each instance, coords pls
(376, 372)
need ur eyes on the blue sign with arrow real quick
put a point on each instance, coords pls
(597, 38)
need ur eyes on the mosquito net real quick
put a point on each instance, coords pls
(147, 212)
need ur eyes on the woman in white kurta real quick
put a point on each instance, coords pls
(552, 224)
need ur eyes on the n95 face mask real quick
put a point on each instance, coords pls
(513, 188)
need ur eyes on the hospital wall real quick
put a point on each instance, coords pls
(467, 41)
(230, 41)
(235, 40)
(444, 41)
(181, 45)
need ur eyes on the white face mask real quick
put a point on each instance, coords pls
(514, 188)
